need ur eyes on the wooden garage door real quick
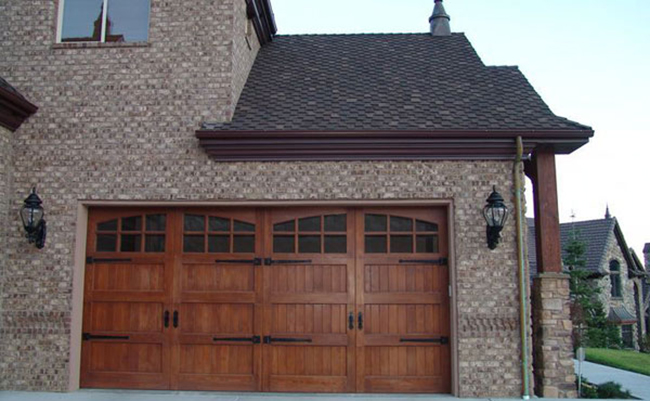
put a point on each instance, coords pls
(300, 300)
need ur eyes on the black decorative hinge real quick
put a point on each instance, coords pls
(88, 337)
(91, 260)
(439, 340)
(253, 339)
(269, 340)
(270, 262)
(254, 262)
(441, 261)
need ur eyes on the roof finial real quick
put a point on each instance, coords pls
(607, 214)
(439, 20)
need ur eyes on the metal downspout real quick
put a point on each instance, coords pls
(523, 277)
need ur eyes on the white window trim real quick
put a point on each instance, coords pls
(59, 27)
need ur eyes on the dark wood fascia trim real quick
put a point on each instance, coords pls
(14, 110)
(382, 145)
(261, 14)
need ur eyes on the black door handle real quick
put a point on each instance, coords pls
(166, 318)
(175, 319)
(360, 321)
(254, 262)
(270, 262)
(351, 321)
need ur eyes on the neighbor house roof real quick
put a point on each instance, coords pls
(595, 234)
(14, 108)
(419, 85)
(620, 315)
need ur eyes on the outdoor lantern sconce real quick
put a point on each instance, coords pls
(32, 215)
(495, 214)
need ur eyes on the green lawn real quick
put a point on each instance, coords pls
(626, 360)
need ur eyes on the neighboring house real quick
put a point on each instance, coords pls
(232, 210)
(645, 303)
(614, 268)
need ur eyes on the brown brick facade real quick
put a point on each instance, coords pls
(5, 190)
(118, 122)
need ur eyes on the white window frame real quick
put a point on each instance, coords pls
(59, 29)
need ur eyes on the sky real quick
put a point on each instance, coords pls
(588, 59)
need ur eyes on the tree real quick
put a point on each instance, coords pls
(591, 327)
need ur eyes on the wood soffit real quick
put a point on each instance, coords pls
(383, 145)
(14, 109)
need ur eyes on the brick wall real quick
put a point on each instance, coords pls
(5, 190)
(118, 123)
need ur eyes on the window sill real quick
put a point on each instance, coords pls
(99, 45)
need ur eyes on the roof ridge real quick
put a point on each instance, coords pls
(293, 35)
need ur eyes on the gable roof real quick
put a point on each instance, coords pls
(385, 81)
(378, 83)
(594, 233)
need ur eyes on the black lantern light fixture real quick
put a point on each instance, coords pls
(32, 215)
(495, 213)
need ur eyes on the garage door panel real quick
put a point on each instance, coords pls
(216, 359)
(207, 278)
(310, 279)
(309, 318)
(128, 277)
(398, 278)
(403, 319)
(125, 357)
(134, 317)
(213, 318)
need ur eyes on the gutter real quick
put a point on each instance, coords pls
(523, 276)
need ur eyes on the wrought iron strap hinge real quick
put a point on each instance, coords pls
(88, 337)
(91, 260)
(269, 340)
(253, 339)
(441, 261)
(439, 340)
(254, 262)
(270, 262)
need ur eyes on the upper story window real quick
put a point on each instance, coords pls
(104, 21)
(615, 277)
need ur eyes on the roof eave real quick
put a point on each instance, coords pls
(297, 145)
(14, 109)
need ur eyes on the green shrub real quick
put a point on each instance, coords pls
(613, 390)
(644, 344)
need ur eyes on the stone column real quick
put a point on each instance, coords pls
(552, 346)
(551, 312)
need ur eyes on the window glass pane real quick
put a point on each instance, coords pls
(376, 222)
(287, 226)
(426, 244)
(401, 224)
(376, 244)
(219, 243)
(309, 224)
(128, 21)
(106, 243)
(421, 226)
(614, 266)
(193, 244)
(130, 243)
(309, 244)
(401, 243)
(336, 244)
(335, 222)
(132, 223)
(194, 222)
(241, 227)
(82, 21)
(244, 244)
(156, 222)
(107, 226)
(218, 224)
(283, 244)
(154, 243)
